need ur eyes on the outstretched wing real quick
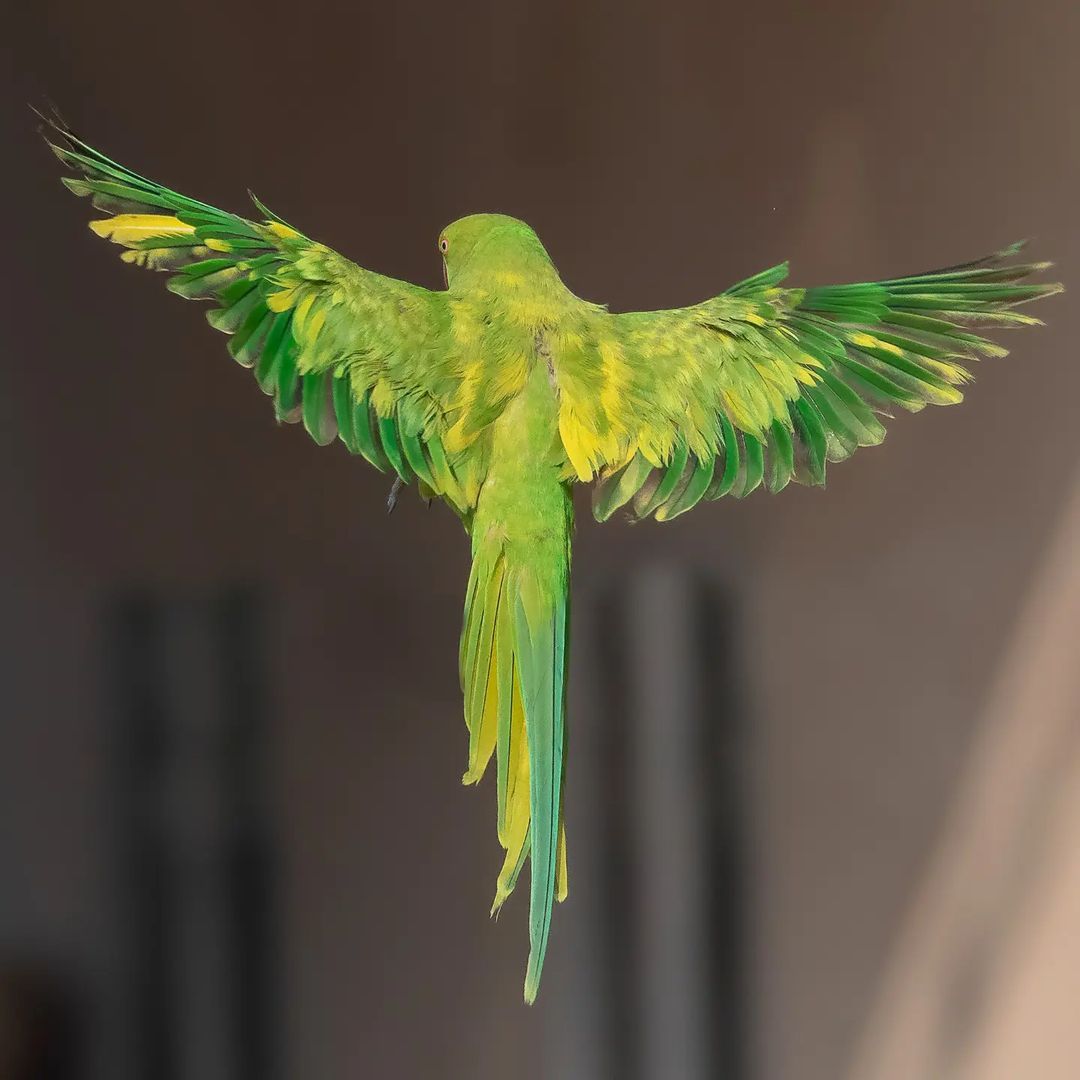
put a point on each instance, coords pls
(349, 353)
(765, 384)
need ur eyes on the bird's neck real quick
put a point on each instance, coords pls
(514, 270)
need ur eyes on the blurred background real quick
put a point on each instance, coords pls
(824, 788)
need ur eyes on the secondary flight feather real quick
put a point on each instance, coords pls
(499, 393)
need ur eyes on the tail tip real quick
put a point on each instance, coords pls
(533, 973)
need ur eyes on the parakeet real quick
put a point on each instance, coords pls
(499, 393)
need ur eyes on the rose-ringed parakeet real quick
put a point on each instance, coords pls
(501, 392)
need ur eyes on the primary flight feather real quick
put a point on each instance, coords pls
(499, 393)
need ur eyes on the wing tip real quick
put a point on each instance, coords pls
(54, 125)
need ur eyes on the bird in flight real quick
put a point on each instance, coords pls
(499, 393)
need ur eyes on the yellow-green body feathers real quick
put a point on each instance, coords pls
(500, 392)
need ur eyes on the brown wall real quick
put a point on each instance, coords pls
(661, 153)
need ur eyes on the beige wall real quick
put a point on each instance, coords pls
(983, 980)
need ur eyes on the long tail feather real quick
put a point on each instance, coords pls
(540, 633)
(513, 674)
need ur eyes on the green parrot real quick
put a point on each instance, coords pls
(499, 393)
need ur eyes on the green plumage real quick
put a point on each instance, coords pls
(499, 393)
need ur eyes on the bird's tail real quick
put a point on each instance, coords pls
(513, 675)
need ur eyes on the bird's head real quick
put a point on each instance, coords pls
(492, 249)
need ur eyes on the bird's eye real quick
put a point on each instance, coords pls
(444, 244)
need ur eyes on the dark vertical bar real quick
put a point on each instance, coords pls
(725, 761)
(136, 693)
(707, 716)
(196, 868)
(619, 901)
(252, 909)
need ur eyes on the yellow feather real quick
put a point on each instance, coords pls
(655, 446)
(128, 229)
(484, 728)
(575, 441)
(528, 312)
(508, 379)
(470, 477)
(282, 231)
(770, 377)
(489, 722)
(952, 372)
(572, 340)
(868, 341)
(614, 369)
(311, 331)
(456, 440)
(516, 749)
(301, 313)
(281, 301)
(514, 830)
(561, 883)
(739, 415)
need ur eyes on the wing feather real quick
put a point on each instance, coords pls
(763, 384)
(350, 354)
